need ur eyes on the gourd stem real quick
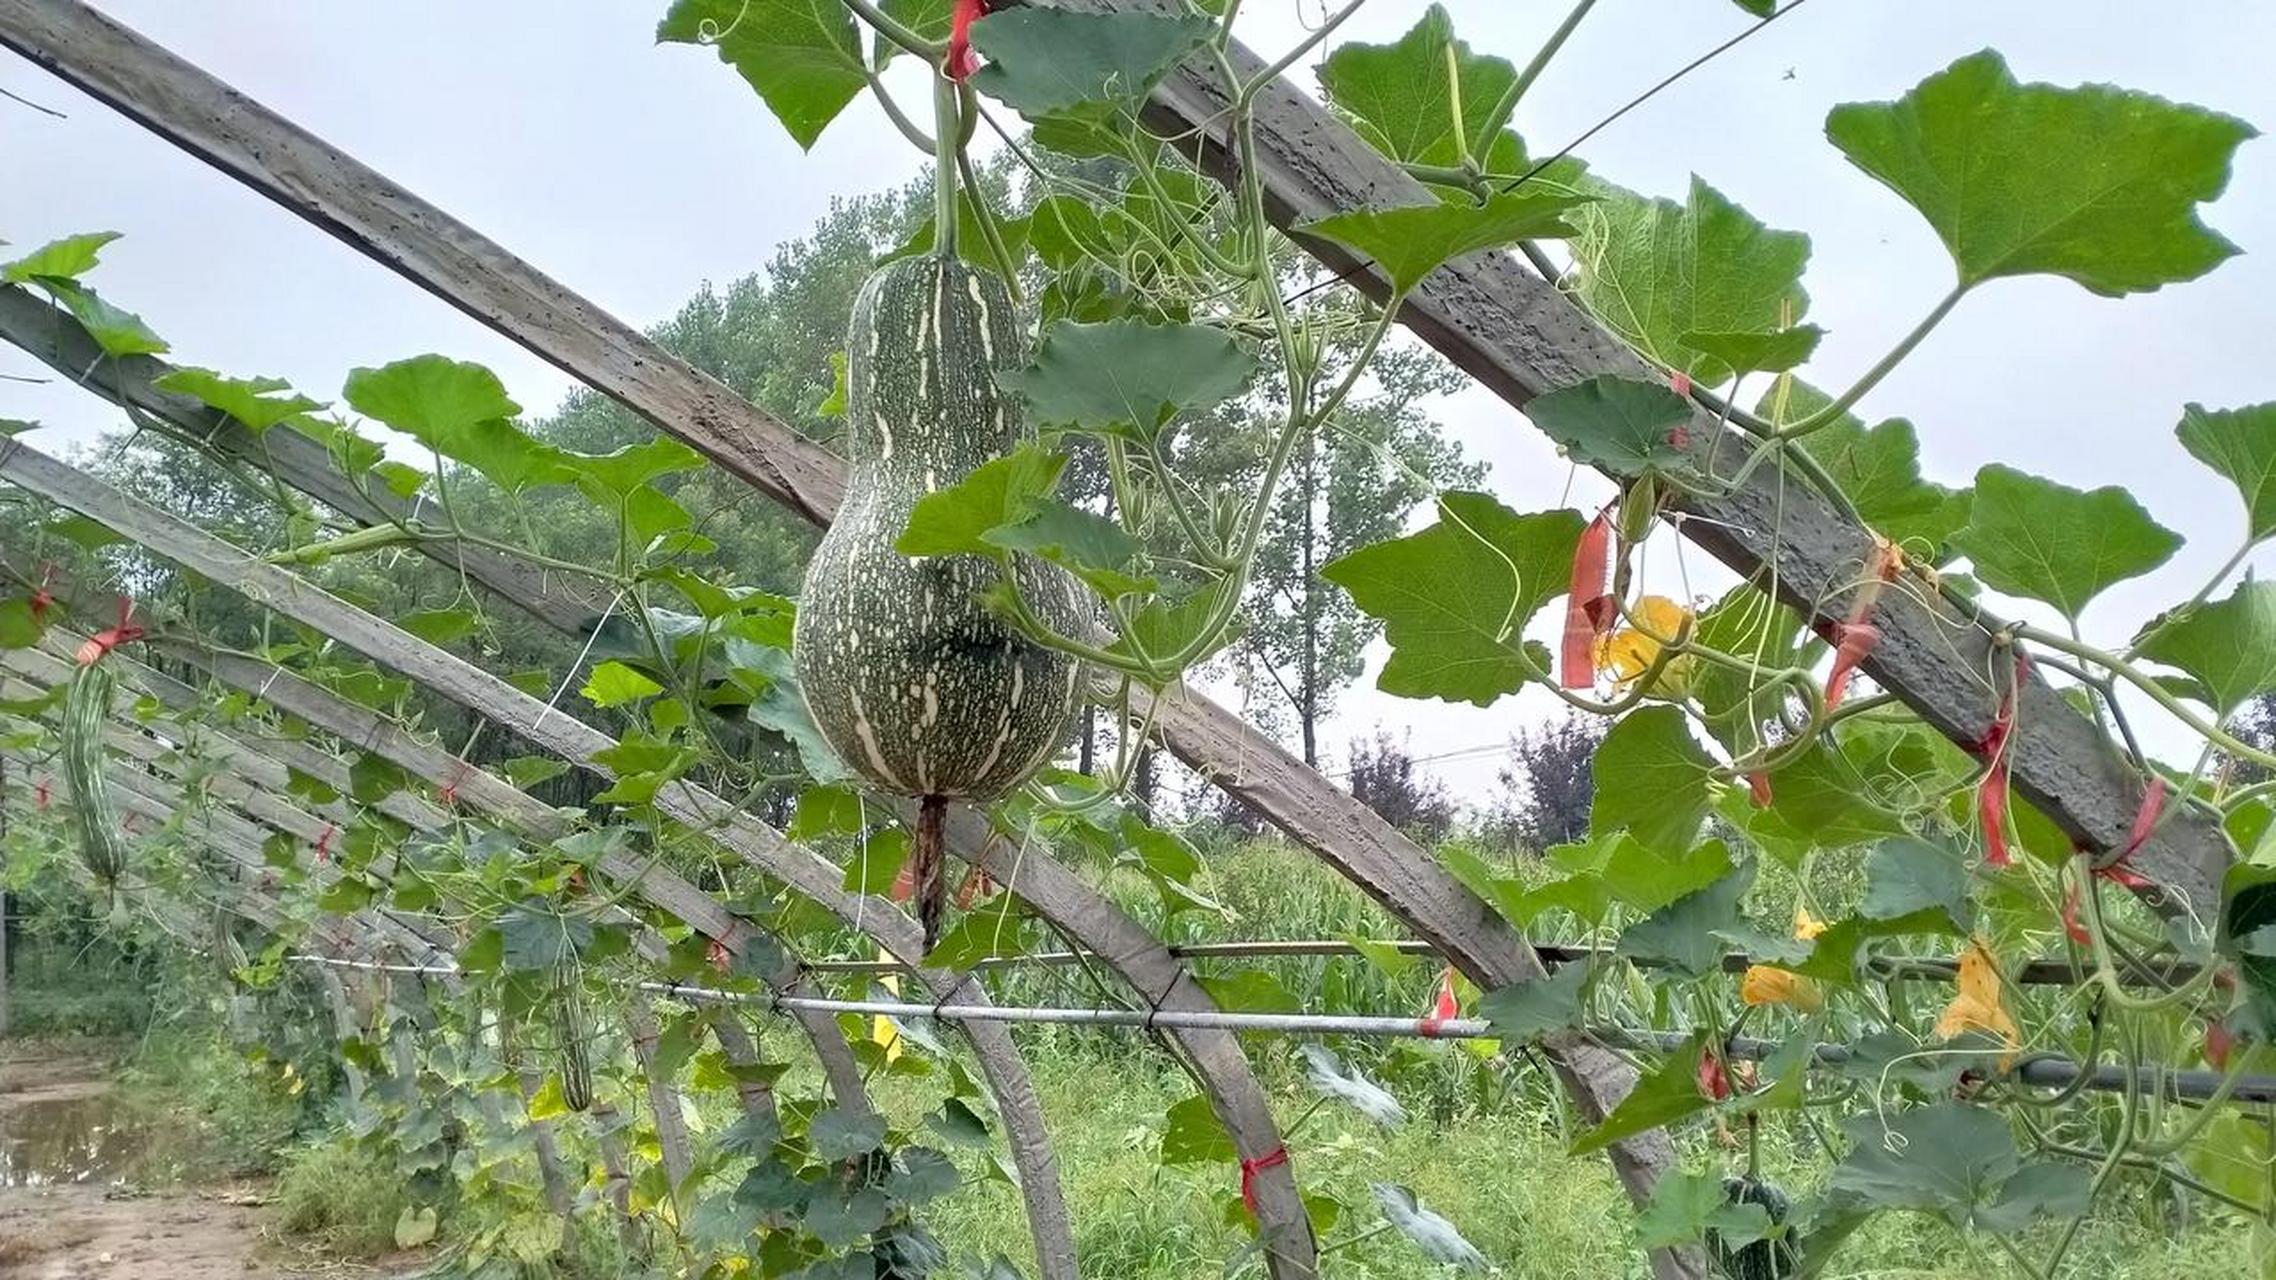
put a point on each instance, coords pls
(925, 867)
(944, 167)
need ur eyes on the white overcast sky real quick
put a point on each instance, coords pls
(634, 173)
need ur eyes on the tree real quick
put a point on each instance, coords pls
(1549, 785)
(1383, 778)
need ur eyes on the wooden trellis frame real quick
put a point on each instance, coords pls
(255, 766)
(739, 834)
(1502, 323)
(1059, 896)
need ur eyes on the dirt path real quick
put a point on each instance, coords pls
(66, 1212)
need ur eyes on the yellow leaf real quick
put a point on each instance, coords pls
(1977, 1006)
(1629, 652)
(1765, 985)
(881, 1028)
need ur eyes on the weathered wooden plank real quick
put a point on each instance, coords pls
(565, 601)
(664, 1103)
(750, 840)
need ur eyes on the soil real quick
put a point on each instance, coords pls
(70, 1211)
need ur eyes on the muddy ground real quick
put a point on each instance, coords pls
(70, 1210)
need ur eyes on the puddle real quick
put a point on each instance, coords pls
(62, 1141)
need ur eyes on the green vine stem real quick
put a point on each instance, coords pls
(1505, 107)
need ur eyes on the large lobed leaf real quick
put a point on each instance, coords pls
(1454, 599)
(2094, 183)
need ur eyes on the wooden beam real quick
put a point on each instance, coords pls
(565, 601)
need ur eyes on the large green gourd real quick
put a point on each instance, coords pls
(915, 685)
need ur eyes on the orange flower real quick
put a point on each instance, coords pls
(1763, 984)
(1629, 652)
(1977, 1006)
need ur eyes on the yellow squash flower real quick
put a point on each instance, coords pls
(1766, 985)
(1977, 1006)
(1629, 652)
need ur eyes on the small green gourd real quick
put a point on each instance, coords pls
(571, 1029)
(1760, 1259)
(911, 680)
(95, 819)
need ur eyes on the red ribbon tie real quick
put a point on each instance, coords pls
(1251, 1168)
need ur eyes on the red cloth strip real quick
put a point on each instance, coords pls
(1443, 1006)
(960, 63)
(1586, 614)
(2116, 871)
(103, 642)
(324, 844)
(1251, 1168)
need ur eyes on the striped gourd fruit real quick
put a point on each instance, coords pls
(910, 679)
(95, 820)
(571, 1029)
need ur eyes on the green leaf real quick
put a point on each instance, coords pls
(920, 1176)
(613, 684)
(1002, 491)
(1685, 1207)
(2229, 645)
(1398, 96)
(839, 1134)
(1042, 62)
(2241, 445)
(1192, 1134)
(1526, 1011)
(1665, 1094)
(2035, 538)
(548, 1103)
(1623, 425)
(1097, 549)
(1651, 779)
(1956, 1160)
(2097, 184)
(1824, 798)
(1774, 352)
(20, 628)
(996, 929)
(1879, 468)
(802, 56)
(1686, 934)
(617, 475)
(1332, 1078)
(1454, 599)
(1655, 271)
(1648, 879)
(971, 240)
(117, 331)
(415, 1226)
(838, 1217)
(259, 403)
(1250, 991)
(1430, 1231)
(539, 939)
(438, 626)
(65, 259)
(1409, 242)
(1908, 878)
(1128, 375)
(461, 411)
